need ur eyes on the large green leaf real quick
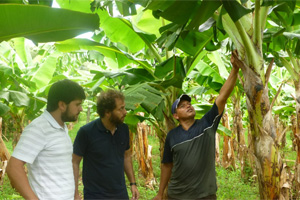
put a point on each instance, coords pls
(6, 70)
(163, 69)
(126, 7)
(135, 75)
(132, 119)
(130, 76)
(159, 5)
(22, 50)
(171, 72)
(121, 58)
(43, 24)
(196, 59)
(235, 9)
(77, 5)
(3, 109)
(120, 30)
(170, 35)
(18, 98)
(45, 72)
(204, 12)
(145, 96)
(283, 109)
(215, 57)
(207, 76)
(292, 35)
(184, 10)
(145, 21)
(194, 41)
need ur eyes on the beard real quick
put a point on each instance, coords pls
(116, 120)
(66, 117)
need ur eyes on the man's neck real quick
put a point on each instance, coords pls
(187, 123)
(57, 116)
(108, 125)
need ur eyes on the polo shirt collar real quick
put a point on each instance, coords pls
(52, 121)
(101, 127)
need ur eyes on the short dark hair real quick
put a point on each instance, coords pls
(64, 90)
(106, 101)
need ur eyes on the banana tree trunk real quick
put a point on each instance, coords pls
(251, 158)
(239, 132)
(297, 139)
(280, 132)
(263, 131)
(294, 131)
(144, 155)
(228, 151)
(238, 124)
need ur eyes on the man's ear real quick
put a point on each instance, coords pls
(107, 114)
(175, 116)
(62, 106)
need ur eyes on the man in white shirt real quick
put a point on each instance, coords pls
(46, 147)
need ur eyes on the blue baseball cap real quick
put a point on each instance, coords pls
(177, 101)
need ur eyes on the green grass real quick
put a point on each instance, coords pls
(231, 186)
(7, 192)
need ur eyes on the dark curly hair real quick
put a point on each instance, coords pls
(64, 90)
(106, 101)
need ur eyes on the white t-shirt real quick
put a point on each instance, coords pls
(47, 149)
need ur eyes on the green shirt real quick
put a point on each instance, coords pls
(193, 155)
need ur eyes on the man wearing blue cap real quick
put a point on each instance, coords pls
(189, 153)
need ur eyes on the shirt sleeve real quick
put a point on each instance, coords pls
(168, 154)
(31, 143)
(212, 115)
(80, 143)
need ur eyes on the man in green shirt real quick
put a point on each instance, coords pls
(188, 165)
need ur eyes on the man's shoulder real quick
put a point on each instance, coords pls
(123, 128)
(123, 125)
(174, 131)
(39, 122)
(91, 124)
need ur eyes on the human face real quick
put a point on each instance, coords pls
(184, 110)
(72, 111)
(119, 113)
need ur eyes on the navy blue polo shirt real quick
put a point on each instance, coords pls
(192, 153)
(103, 160)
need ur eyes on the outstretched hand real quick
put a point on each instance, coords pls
(235, 61)
(135, 193)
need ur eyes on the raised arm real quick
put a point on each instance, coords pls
(130, 174)
(18, 178)
(229, 83)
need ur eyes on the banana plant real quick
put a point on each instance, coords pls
(287, 37)
(18, 103)
(282, 40)
(244, 22)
